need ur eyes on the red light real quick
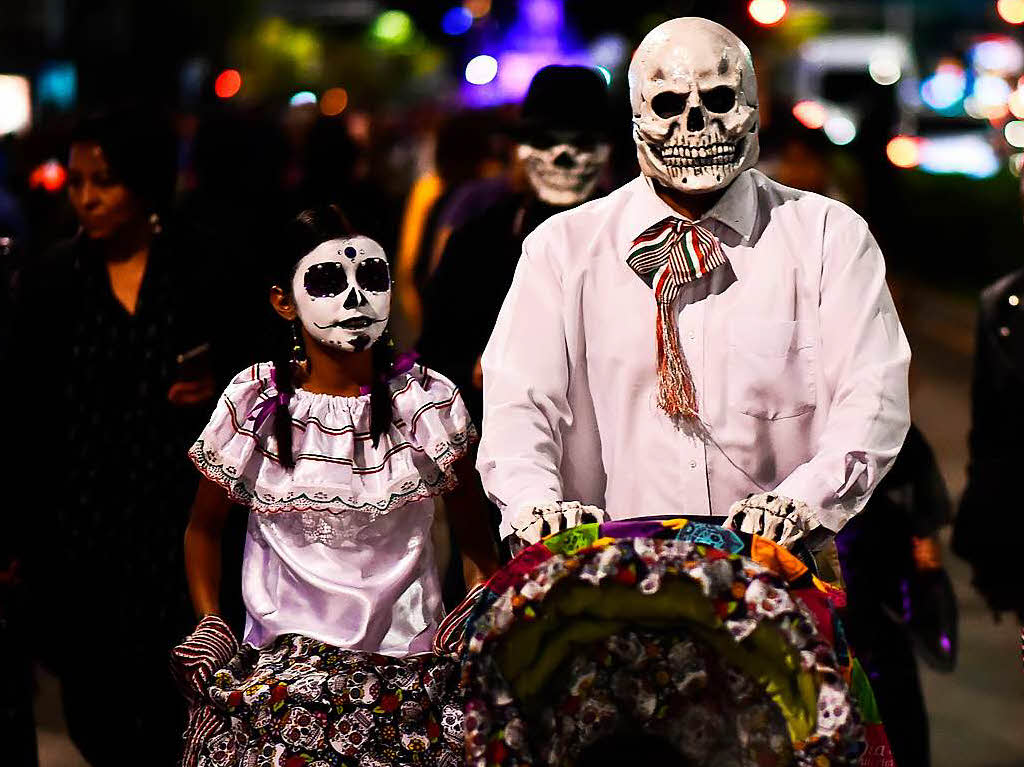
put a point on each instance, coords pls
(228, 83)
(811, 114)
(768, 12)
(51, 176)
(904, 151)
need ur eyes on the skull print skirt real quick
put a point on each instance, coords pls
(300, 701)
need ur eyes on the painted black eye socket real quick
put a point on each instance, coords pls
(325, 280)
(373, 275)
(720, 99)
(668, 104)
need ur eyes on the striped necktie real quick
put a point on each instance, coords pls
(666, 256)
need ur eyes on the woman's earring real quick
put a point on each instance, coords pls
(154, 223)
(300, 361)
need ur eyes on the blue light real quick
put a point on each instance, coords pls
(57, 85)
(302, 98)
(968, 154)
(945, 89)
(456, 21)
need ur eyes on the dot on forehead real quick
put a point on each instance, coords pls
(350, 252)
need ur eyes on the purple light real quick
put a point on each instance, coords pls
(543, 15)
(536, 38)
(946, 644)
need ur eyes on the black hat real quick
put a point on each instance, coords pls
(565, 98)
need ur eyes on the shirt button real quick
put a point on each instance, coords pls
(693, 464)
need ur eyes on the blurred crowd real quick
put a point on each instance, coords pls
(129, 301)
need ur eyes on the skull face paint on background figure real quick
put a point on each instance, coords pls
(563, 166)
(694, 97)
(342, 291)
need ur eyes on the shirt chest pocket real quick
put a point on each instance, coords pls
(770, 367)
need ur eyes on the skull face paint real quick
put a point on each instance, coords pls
(342, 291)
(563, 168)
(694, 96)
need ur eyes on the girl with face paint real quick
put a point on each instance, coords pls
(338, 454)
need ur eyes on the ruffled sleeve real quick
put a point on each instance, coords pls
(337, 468)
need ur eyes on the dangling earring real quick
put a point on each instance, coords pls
(300, 362)
(154, 223)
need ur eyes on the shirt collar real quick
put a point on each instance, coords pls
(736, 209)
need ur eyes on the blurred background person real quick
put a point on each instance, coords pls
(563, 150)
(113, 333)
(990, 504)
(465, 152)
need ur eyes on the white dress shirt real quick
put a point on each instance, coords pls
(798, 358)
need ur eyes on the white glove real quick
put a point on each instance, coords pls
(531, 523)
(778, 518)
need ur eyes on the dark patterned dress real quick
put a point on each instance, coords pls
(103, 482)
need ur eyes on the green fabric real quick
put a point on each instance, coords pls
(862, 693)
(533, 651)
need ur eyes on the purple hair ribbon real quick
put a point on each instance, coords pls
(269, 406)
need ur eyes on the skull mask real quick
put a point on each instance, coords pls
(342, 292)
(694, 97)
(563, 167)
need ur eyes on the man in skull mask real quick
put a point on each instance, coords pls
(703, 340)
(563, 150)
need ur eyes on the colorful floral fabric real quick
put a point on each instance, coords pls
(561, 626)
(303, 703)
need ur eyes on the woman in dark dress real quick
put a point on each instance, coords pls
(112, 340)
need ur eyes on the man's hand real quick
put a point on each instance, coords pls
(778, 518)
(535, 522)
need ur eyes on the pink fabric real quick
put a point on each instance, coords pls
(339, 548)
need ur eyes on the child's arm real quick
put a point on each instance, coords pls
(202, 546)
(467, 514)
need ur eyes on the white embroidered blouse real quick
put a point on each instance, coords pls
(339, 548)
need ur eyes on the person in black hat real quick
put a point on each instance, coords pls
(562, 144)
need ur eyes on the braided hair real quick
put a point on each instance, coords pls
(303, 234)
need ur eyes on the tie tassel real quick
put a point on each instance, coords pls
(676, 394)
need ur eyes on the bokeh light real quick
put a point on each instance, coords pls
(228, 83)
(50, 176)
(990, 90)
(884, 69)
(605, 73)
(1014, 162)
(903, 151)
(609, 50)
(302, 98)
(333, 101)
(456, 21)
(1014, 133)
(1016, 103)
(392, 28)
(481, 69)
(1011, 11)
(810, 114)
(946, 88)
(478, 8)
(840, 129)
(767, 12)
(969, 154)
(15, 104)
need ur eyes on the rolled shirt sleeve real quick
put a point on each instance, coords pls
(866, 360)
(526, 379)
